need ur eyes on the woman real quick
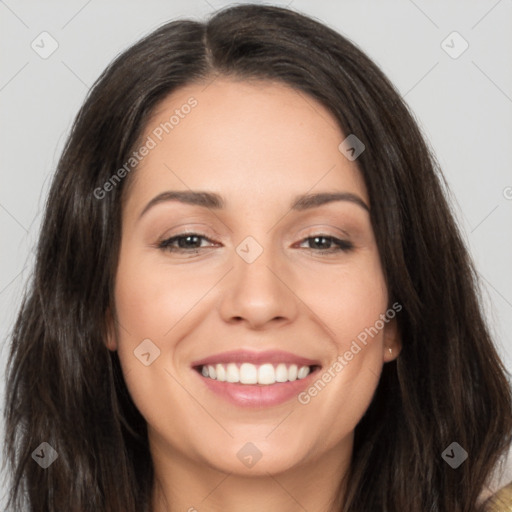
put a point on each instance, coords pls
(251, 293)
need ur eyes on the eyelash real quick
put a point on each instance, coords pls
(342, 245)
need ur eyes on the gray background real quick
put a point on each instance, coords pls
(462, 104)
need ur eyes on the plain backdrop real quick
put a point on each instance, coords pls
(461, 97)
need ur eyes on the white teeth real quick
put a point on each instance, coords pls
(266, 374)
(248, 373)
(232, 373)
(221, 373)
(281, 373)
(303, 372)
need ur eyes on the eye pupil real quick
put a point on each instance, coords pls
(186, 239)
(316, 238)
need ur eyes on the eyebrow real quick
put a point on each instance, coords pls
(215, 201)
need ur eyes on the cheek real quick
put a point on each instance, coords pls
(336, 401)
(147, 308)
(350, 304)
(349, 300)
(152, 298)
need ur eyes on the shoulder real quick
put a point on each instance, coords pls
(500, 501)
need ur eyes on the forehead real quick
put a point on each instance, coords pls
(234, 136)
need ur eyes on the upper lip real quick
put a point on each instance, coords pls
(246, 356)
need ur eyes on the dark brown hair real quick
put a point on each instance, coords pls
(65, 388)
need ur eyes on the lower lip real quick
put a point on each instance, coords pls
(258, 395)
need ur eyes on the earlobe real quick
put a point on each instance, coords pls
(110, 341)
(391, 353)
(392, 343)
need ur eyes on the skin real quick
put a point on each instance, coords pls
(258, 144)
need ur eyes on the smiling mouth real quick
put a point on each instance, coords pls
(253, 374)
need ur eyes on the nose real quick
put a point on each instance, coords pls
(259, 293)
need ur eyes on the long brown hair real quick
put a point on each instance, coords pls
(66, 389)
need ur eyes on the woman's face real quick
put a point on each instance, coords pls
(273, 287)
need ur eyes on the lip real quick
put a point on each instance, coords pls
(247, 356)
(257, 395)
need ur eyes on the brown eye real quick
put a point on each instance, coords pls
(324, 244)
(184, 242)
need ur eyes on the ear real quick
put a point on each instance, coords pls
(392, 345)
(111, 340)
